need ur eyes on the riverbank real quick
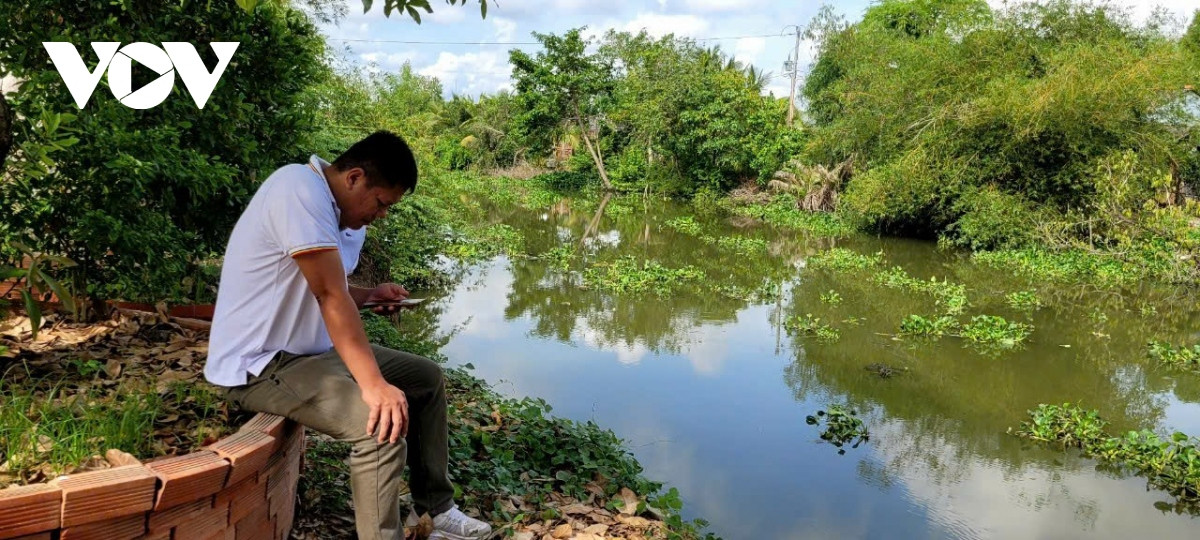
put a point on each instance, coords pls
(133, 384)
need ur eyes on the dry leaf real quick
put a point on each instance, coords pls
(44, 444)
(523, 535)
(596, 529)
(563, 531)
(119, 458)
(113, 368)
(628, 500)
(634, 521)
(576, 509)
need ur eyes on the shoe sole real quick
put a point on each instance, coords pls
(443, 535)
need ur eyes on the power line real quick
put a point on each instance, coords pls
(420, 42)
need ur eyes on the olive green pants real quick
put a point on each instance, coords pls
(319, 392)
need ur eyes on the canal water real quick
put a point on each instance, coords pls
(711, 388)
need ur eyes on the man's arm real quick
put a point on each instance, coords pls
(327, 280)
(359, 295)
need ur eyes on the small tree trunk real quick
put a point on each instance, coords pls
(594, 152)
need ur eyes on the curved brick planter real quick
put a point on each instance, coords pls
(242, 487)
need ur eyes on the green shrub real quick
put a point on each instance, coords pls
(146, 196)
(566, 180)
(991, 219)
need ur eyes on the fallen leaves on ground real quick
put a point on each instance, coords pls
(131, 352)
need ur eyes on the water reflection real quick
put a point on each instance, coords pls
(711, 391)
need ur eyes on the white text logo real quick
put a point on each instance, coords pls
(118, 61)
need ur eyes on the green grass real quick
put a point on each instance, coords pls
(64, 429)
(783, 212)
(1071, 266)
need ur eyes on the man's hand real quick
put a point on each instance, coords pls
(387, 292)
(389, 412)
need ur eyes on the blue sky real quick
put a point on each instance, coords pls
(475, 69)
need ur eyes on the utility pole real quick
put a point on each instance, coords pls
(792, 67)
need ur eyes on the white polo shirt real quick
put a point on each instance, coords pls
(264, 304)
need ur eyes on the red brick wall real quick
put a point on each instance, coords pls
(242, 487)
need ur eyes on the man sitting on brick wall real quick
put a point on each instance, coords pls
(287, 338)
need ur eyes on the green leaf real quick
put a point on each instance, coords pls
(66, 299)
(416, 15)
(367, 5)
(483, 8)
(248, 5)
(34, 312)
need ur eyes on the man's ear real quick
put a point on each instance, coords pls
(355, 176)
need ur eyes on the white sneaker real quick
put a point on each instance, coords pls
(455, 525)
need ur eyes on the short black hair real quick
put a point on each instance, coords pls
(385, 157)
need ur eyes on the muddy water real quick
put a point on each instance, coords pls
(711, 389)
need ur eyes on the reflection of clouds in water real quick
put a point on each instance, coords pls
(605, 239)
(627, 353)
(481, 308)
(1182, 416)
(706, 349)
(974, 497)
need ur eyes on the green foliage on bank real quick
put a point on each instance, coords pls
(1054, 124)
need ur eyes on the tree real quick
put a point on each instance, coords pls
(145, 197)
(1191, 40)
(400, 6)
(982, 127)
(688, 117)
(563, 86)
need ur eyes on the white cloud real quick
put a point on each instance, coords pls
(445, 14)
(505, 28)
(471, 73)
(659, 25)
(719, 6)
(390, 61)
(748, 50)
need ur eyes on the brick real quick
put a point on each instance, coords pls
(270, 424)
(280, 502)
(205, 525)
(106, 494)
(286, 473)
(30, 509)
(256, 526)
(122, 528)
(39, 536)
(164, 535)
(244, 498)
(168, 519)
(188, 478)
(246, 451)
